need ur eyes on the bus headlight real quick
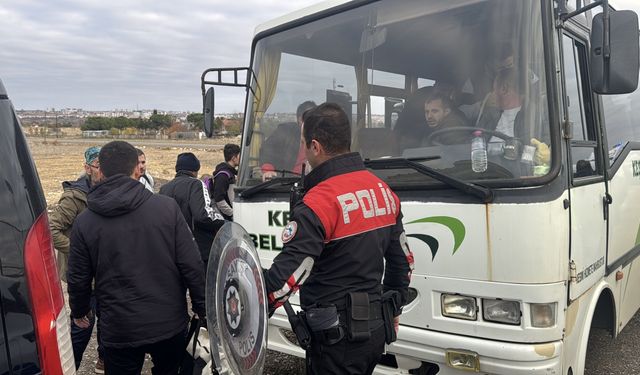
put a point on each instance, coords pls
(501, 311)
(543, 315)
(459, 307)
(463, 360)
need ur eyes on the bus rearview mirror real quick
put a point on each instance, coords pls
(208, 112)
(617, 74)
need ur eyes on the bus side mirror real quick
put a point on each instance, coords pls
(616, 73)
(209, 117)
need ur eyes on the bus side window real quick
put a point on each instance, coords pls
(585, 158)
(620, 121)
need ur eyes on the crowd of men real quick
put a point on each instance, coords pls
(128, 254)
(132, 255)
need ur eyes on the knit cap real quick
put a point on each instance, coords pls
(91, 154)
(187, 161)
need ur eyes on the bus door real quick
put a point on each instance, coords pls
(588, 217)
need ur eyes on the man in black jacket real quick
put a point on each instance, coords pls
(138, 248)
(194, 202)
(345, 233)
(223, 176)
(440, 114)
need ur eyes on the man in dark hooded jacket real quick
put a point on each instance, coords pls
(140, 251)
(194, 202)
(223, 176)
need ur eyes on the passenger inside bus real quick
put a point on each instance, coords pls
(276, 156)
(440, 113)
(413, 127)
(504, 112)
(412, 119)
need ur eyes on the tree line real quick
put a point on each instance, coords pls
(154, 122)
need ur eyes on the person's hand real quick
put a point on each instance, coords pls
(83, 322)
(492, 100)
(543, 152)
(199, 316)
(396, 323)
(267, 175)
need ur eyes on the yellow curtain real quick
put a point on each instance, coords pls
(267, 79)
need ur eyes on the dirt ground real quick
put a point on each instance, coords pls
(58, 161)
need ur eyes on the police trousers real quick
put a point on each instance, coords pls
(346, 357)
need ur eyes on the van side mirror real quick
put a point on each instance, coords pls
(615, 71)
(208, 111)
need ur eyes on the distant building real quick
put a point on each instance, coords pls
(184, 135)
(95, 133)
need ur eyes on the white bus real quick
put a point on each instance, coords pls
(517, 257)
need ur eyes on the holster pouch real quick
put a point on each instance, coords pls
(357, 319)
(321, 318)
(391, 304)
(299, 326)
(324, 323)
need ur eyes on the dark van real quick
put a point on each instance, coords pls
(34, 332)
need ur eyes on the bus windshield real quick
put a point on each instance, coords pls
(421, 80)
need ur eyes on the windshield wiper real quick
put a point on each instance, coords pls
(267, 184)
(481, 192)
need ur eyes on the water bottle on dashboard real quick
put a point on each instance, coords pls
(478, 153)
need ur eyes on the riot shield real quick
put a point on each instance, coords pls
(236, 303)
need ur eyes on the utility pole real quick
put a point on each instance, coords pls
(46, 126)
(56, 125)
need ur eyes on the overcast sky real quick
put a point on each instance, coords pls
(106, 54)
(128, 54)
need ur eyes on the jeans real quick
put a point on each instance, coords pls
(80, 336)
(166, 356)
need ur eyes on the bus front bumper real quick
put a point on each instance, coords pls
(420, 345)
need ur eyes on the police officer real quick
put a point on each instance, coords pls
(335, 247)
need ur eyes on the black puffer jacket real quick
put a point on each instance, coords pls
(195, 205)
(223, 176)
(139, 249)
